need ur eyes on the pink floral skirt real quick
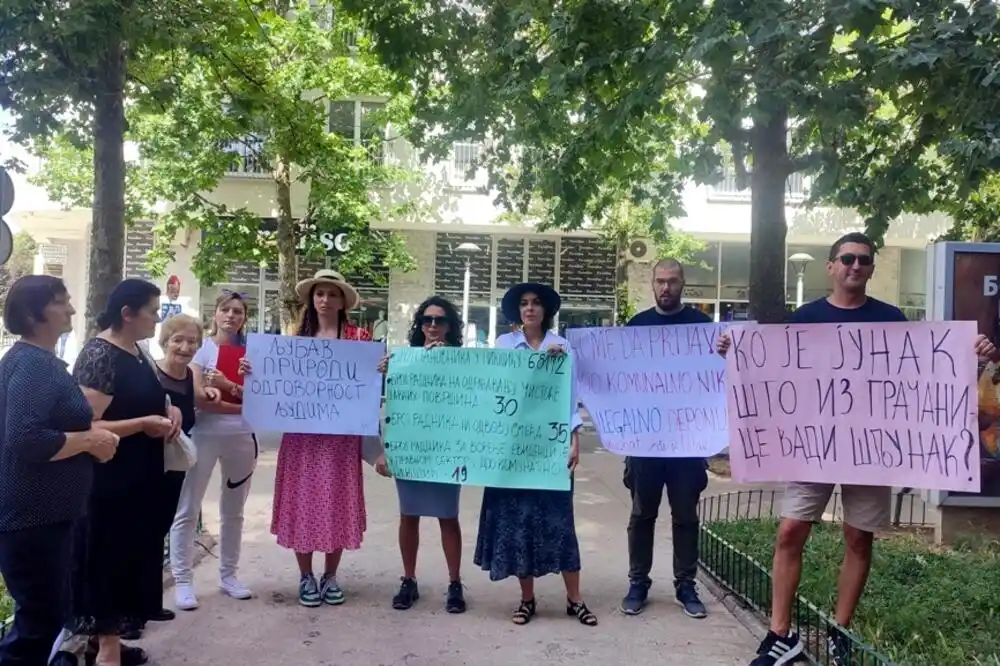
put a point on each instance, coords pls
(319, 496)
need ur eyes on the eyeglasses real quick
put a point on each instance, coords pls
(862, 259)
(430, 320)
(235, 294)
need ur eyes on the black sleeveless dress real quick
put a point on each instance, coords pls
(119, 546)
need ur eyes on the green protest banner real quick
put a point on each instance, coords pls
(481, 417)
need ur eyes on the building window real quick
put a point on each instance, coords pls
(726, 189)
(247, 157)
(465, 169)
(361, 123)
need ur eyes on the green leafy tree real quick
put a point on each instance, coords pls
(21, 263)
(977, 217)
(257, 97)
(883, 102)
(66, 68)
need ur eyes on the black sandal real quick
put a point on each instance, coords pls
(582, 613)
(525, 611)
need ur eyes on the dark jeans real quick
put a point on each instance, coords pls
(36, 564)
(685, 479)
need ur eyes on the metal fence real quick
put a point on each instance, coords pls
(749, 581)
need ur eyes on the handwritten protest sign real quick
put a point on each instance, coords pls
(481, 417)
(653, 391)
(312, 385)
(867, 404)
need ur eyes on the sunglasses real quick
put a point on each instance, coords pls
(430, 320)
(236, 294)
(849, 259)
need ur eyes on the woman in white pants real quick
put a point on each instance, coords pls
(220, 435)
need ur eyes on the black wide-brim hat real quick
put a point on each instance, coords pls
(511, 303)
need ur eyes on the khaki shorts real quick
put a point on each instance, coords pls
(866, 508)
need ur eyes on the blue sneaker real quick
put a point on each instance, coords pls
(309, 595)
(330, 591)
(687, 597)
(635, 600)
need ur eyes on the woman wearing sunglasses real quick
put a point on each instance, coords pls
(435, 323)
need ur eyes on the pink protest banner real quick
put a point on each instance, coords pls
(867, 404)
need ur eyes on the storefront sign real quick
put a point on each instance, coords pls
(963, 284)
(333, 243)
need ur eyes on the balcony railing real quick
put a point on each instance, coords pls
(247, 159)
(726, 188)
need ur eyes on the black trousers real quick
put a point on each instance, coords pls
(684, 479)
(36, 564)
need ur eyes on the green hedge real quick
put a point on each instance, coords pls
(924, 605)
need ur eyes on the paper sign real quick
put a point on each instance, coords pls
(317, 386)
(653, 391)
(867, 404)
(480, 417)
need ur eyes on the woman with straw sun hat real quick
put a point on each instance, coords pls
(319, 498)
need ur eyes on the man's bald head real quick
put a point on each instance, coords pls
(668, 284)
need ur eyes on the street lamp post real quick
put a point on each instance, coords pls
(799, 261)
(468, 251)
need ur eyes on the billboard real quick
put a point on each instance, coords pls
(963, 283)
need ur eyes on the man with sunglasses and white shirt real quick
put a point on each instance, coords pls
(866, 508)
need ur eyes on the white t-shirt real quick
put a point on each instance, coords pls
(207, 422)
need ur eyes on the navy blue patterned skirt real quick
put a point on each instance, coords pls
(527, 533)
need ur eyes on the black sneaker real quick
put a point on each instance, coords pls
(455, 602)
(688, 598)
(635, 600)
(777, 650)
(407, 596)
(838, 648)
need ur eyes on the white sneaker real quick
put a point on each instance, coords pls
(234, 588)
(184, 597)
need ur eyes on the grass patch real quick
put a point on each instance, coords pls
(924, 605)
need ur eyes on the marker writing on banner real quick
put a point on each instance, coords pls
(644, 342)
(830, 402)
(656, 391)
(312, 385)
(479, 416)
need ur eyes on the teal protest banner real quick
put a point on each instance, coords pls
(480, 417)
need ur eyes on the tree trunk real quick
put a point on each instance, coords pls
(107, 227)
(623, 304)
(768, 228)
(287, 244)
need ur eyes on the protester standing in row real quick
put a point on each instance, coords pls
(220, 435)
(435, 323)
(319, 499)
(115, 584)
(531, 533)
(684, 478)
(180, 338)
(850, 265)
(48, 449)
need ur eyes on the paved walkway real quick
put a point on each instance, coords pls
(273, 629)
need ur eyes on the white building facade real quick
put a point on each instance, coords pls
(456, 208)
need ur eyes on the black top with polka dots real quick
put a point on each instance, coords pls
(39, 403)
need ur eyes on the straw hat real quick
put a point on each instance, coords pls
(327, 276)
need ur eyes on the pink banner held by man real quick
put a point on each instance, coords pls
(867, 404)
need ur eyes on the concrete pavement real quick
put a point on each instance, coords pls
(273, 629)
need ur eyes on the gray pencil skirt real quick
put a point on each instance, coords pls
(425, 498)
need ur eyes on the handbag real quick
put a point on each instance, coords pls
(179, 454)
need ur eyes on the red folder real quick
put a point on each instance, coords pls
(228, 363)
